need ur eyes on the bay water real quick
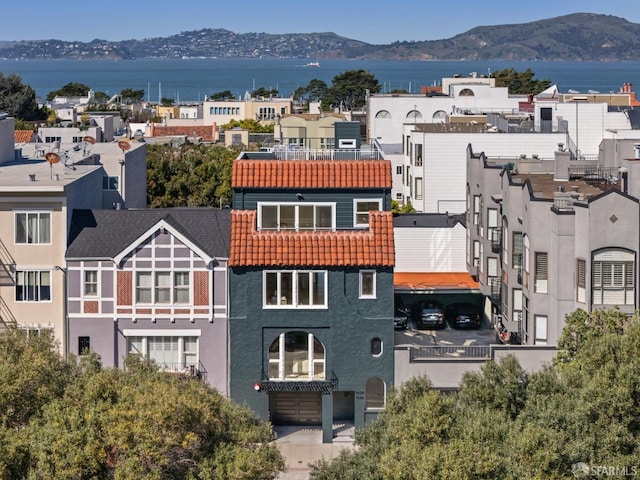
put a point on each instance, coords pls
(188, 80)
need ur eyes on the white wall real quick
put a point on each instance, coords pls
(430, 249)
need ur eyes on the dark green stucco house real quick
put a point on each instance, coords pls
(311, 271)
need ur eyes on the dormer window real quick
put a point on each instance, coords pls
(296, 216)
(361, 209)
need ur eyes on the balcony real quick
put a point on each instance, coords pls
(186, 371)
(495, 292)
(495, 237)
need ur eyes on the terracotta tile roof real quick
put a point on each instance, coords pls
(311, 174)
(266, 248)
(23, 136)
(208, 133)
(433, 280)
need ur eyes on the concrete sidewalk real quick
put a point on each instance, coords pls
(301, 446)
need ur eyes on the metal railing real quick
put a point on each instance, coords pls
(286, 153)
(185, 370)
(6, 317)
(450, 352)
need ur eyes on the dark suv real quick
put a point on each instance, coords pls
(429, 315)
(464, 315)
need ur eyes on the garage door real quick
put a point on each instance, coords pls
(295, 408)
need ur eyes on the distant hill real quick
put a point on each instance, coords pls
(576, 37)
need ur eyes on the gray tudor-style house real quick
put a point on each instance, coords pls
(151, 282)
(311, 271)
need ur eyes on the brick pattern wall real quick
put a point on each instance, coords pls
(125, 288)
(201, 288)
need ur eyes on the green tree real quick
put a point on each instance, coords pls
(223, 95)
(313, 92)
(129, 95)
(71, 89)
(24, 125)
(166, 102)
(190, 175)
(507, 423)
(18, 100)
(349, 89)
(145, 424)
(249, 124)
(69, 420)
(263, 92)
(520, 83)
(32, 373)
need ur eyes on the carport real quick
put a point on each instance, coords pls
(446, 288)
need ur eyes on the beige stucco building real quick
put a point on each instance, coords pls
(37, 199)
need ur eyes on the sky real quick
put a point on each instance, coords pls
(371, 21)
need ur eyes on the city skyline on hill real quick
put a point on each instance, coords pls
(376, 22)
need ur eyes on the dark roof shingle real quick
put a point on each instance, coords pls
(106, 233)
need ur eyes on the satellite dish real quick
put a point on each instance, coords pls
(124, 145)
(52, 157)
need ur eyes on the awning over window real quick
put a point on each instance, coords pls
(456, 282)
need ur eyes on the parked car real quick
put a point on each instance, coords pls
(464, 315)
(429, 315)
(400, 316)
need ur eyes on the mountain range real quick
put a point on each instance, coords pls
(575, 37)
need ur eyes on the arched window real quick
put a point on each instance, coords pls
(466, 92)
(439, 116)
(383, 114)
(374, 393)
(414, 115)
(376, 347)
(296, 355)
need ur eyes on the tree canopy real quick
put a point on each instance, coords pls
(190, 175)
(569, 420)
(72, 89)
(75, 420)
(18, 100)
(349, 89)
(223, 95)
(520, 82)
(132, 95)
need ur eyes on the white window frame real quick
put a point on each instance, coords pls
(376, 355)
(281, 301)
(613, 277)
(279, 364)
(362, 283)
(86, 282)
(154, 287)
(356, 212)
(581, 280)
(367, 394)
(540, 274)
(542, 330)
(178, 334)
(28, 214)
(296, 206)
(419, 188)
(23, 275)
